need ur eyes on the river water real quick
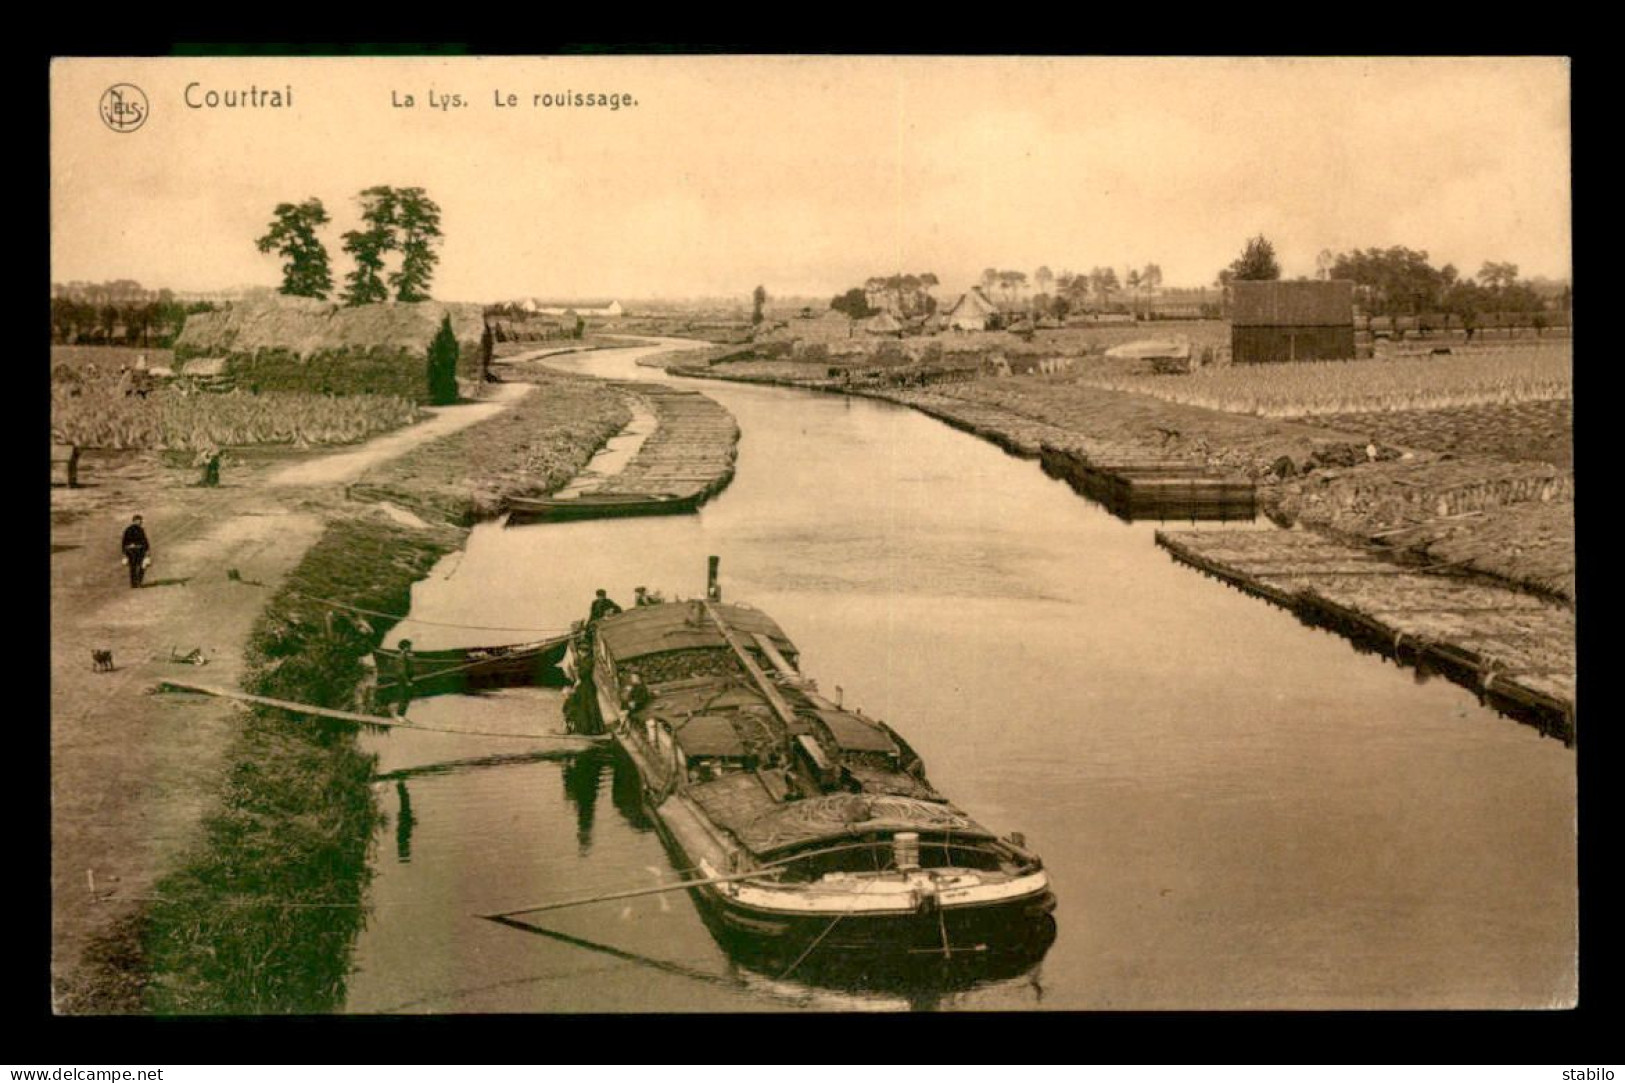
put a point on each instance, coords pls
(1237, 811)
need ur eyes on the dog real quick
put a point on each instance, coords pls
(103, 660)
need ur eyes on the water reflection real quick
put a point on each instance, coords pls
(404, 822)
(1237, 811)
(582, 776)
(626, 790)
(925, 980)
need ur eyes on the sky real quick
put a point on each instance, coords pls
(809, 174)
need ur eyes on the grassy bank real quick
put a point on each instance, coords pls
(532, 449)
(260, 919)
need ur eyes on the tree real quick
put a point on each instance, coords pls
(292, 235)
(1075, 290)
(1150, 279)
(1103, 280)
(1497, 276)
(417, 225)
(1393, 281)
(365, 284)
(854, 303)
(1256, 262)
(1012, 284)
(443, 365)
(758, 298)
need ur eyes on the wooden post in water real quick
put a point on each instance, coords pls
(713, 587)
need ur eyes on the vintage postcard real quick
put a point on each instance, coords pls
(811, 533)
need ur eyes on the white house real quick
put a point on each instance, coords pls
(580, 308)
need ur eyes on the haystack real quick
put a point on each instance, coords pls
(304, 326)
(300, 344)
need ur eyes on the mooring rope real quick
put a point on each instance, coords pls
(416, 680)
(419, 620)
(819, 939)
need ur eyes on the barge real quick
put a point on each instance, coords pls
(802, 824)
(601, 506)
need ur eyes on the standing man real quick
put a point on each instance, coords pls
(136, 547)
(208, 457)
(603, 606)
(406, 670)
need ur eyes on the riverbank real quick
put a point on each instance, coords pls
(691, 452)
(190, 837)
(1506, 520)
(532, 449)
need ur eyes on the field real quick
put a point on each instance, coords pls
(82, 359)
(1076, 341)
(1521, 432)
(102, 415)
(1501, 377)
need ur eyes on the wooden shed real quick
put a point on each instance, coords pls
(1291, 321)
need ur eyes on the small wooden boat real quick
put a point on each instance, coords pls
(462, 669)
(807, 825)
(601, 506)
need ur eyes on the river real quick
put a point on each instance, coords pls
(1237, 811)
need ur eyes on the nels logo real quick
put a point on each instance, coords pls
(124, 107)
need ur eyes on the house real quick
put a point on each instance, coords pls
(972, 312)
(1291, 321)
(883, 324)
(832, 326)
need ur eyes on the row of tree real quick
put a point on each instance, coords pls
(1400, 281)
(147, 323)
(403, 220)
(1096, 288)
(909, 295)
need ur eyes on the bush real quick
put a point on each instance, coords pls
(890, 352)
(442, 375)
(347, 371)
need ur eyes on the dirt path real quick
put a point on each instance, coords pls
(132, 774)
(349, 465)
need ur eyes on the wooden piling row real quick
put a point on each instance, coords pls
(1133, 484)
(691, 452)
(1515, 650)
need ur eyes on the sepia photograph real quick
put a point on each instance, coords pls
(581, 534)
